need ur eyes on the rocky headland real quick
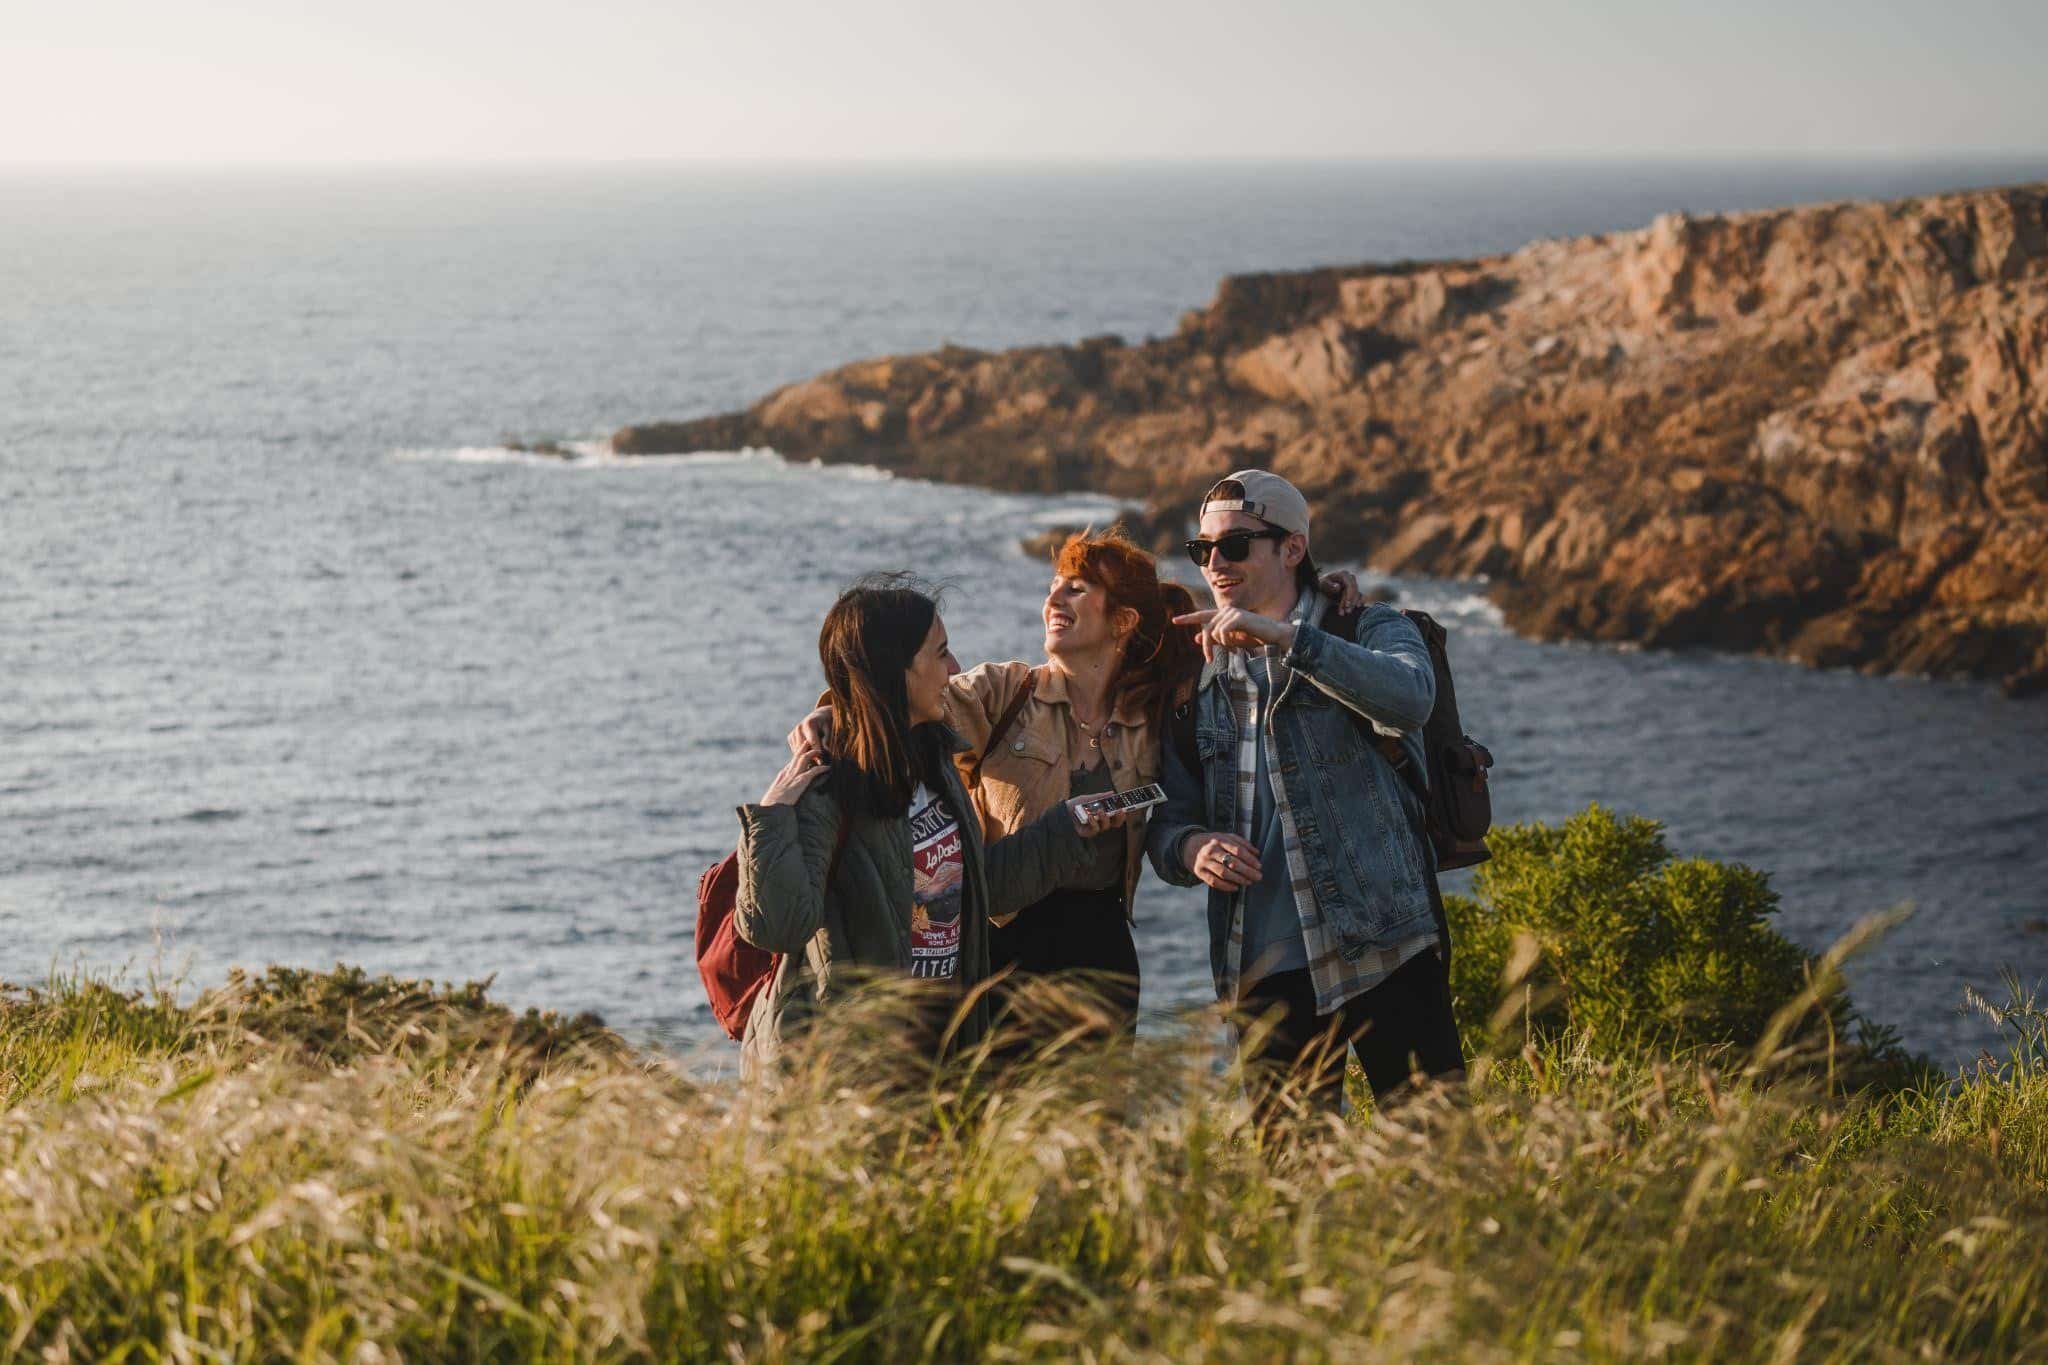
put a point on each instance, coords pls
(1817, 432)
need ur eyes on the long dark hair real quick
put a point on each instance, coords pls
(1159, 656)
(867, 644)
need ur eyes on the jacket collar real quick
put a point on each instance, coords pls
(1051, 688)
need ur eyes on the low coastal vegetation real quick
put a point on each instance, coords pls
(1680, 1140)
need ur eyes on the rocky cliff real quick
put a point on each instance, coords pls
(1820, 432)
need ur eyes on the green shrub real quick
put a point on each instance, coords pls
(1634, 948)
(75, 1034)
(339, 1016)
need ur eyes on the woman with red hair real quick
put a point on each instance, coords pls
(1090, 719)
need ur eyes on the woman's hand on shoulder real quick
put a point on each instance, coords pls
(982, 691)
(805, 767)
(812, 732)
(1343, 585)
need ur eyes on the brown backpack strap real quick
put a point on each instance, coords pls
(1003, 724)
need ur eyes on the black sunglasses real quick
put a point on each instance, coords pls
(1234, 546)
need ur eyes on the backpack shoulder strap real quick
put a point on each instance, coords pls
(1180, 730)
(1003, 724)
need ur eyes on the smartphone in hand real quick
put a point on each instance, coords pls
(1086, 808)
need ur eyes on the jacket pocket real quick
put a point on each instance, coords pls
(1017, 782)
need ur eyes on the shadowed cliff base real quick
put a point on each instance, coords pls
(1818, 432)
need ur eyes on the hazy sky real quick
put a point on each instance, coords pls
(507, 80)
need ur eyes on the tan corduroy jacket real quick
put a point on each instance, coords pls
(1031, 770)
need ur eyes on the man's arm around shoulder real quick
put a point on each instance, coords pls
(976, 699)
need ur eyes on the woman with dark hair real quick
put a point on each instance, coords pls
(1090, 719)
(882, 866)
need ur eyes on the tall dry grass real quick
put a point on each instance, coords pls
(327, 1167)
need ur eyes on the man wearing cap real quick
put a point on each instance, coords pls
(1323, 936)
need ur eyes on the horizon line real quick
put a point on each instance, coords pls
(1978, 156)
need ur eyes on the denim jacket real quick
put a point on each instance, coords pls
(1356, 818)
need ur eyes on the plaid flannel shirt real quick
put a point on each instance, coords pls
(1336, 978)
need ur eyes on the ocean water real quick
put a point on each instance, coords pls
(298, 664)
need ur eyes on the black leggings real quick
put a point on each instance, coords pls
(1401, 1028)
(1074, 931)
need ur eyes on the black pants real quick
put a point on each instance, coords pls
(1399, 1028)
(1081, 932)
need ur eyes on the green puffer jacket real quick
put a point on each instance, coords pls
(862, 920)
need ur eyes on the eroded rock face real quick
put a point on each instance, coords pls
(1818, 432)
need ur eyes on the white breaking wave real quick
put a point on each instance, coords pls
(1473, 605)
(479, 455)
(1451, 600)
(590, 454)
(865, 473)
(598, 454)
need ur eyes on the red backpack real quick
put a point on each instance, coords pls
(734, 970)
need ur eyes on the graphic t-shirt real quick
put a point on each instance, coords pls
(937, 870)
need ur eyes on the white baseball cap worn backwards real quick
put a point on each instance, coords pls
(1267, 496)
